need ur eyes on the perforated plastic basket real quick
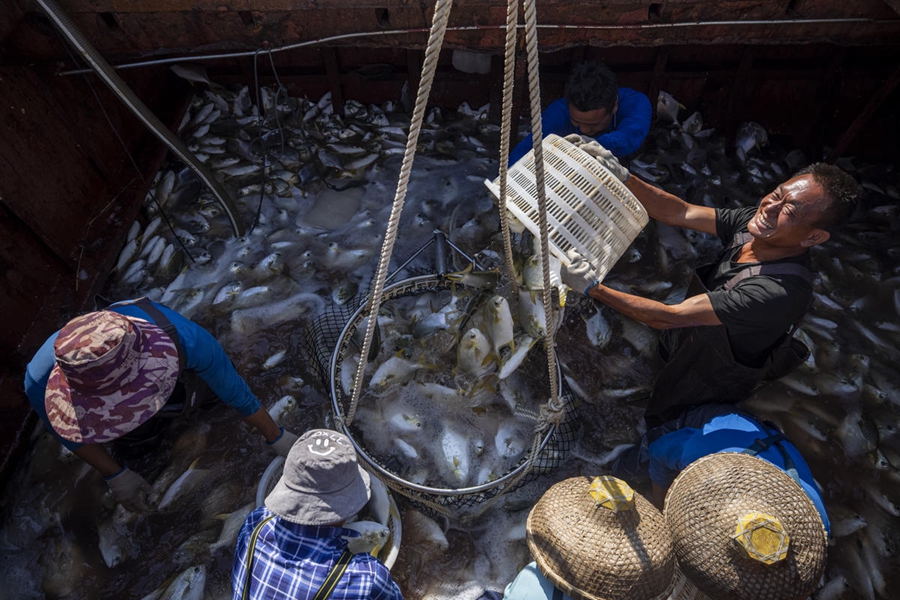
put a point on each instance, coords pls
(588, 208)
(390, 550)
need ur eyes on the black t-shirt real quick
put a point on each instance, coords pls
(759, 309)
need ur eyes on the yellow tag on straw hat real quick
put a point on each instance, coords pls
(763, 537)
(612, 493)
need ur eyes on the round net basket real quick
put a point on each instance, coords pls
(588, 208)
(391, 548)
(451, 499)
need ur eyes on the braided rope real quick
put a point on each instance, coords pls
(429, 66)
(534, 89)
(512, 21)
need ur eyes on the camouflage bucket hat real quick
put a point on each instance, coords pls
(112, 374)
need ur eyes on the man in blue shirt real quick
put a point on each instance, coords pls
(594, 106)
(295, 547)
(715, 428)
(117, 375)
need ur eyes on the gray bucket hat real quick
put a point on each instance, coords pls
(322, 482)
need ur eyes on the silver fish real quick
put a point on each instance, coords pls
(500, 324)
(187, 482)
(473, 354)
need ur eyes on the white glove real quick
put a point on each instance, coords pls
(130, 490)
(283, 443)
(603, 156)
(580, 274)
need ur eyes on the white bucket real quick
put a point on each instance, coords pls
(388, 553)
(588, 208)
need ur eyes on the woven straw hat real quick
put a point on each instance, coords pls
(599, 540)
(743, 529)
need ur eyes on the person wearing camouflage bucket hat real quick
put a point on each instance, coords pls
(110, 375)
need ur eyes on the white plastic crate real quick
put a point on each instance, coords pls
(588, 208)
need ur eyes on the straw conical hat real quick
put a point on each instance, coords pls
(743, 529)
(596, 539)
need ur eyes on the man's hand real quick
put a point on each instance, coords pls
(130, 490)
(580, 275)
(603, 156)
(283, 444)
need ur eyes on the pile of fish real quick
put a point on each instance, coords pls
(482, 411)
(315, 189)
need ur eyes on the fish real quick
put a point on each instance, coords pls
(231, 528)
(883, 502)
(523, 345)
(274, 360)
(500, 325)
(473, 355)
(163, 193)
(532, 273)
(188, 585)
(667, 108)
(286, 405)
(454, 453)
(834, 589)
(532, 317)
(842, 527)
(418, 527)
(127, 253)
(185, 484)
(393, 371)
(114, 542)
(476, 279)
(598, 330)
(510, 441)
(133, 231)
(228, 292)
(372, 537)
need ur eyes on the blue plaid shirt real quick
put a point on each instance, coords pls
(292, 561)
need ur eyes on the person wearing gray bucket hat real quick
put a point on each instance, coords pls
(119, 375)
(294, 546)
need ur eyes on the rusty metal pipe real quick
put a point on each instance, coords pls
(139, 109)
(347, 36)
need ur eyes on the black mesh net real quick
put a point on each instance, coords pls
(327, 336)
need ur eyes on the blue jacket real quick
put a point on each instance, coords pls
(530, 584)
(203, 354)
(726, 433)
(625, 135)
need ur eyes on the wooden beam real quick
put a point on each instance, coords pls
(414, 70)
(496, 93)
(860, 121)
(737, 89)
(333, 71)
(659, 71)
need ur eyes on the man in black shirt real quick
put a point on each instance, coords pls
(722, 340)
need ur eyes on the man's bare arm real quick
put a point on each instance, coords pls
(672, 210)
(696, 310)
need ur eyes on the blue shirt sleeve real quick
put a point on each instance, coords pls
(554, 119)
(36, 375)
(203, 354)
(206, 356)
(632, 124)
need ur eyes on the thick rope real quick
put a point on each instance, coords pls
(432, 52)
(512, 20)
(534, 89)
